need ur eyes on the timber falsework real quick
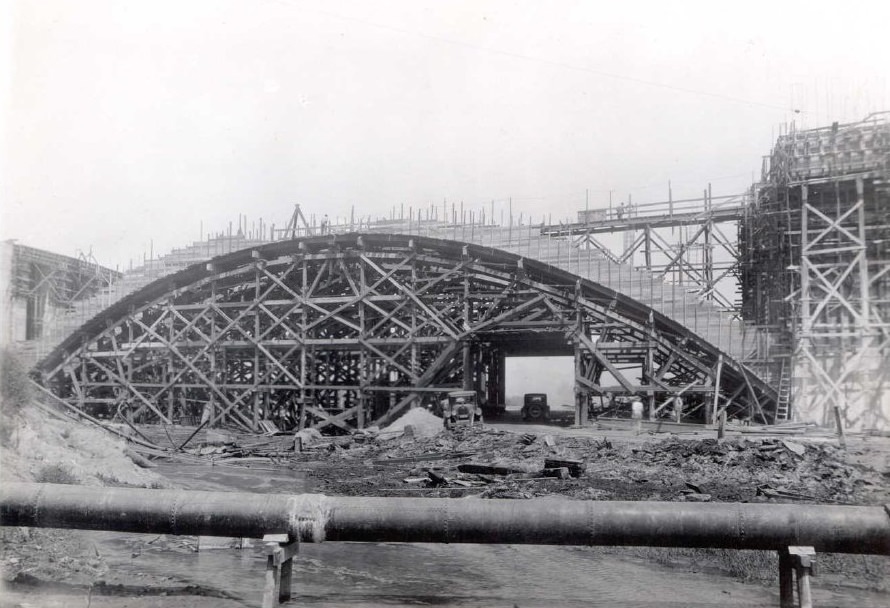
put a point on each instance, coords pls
(347, 331)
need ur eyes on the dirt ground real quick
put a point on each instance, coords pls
(501, 459)
(616, 467)
(623, 465)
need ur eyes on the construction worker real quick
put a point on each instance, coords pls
(636, 413)
(636, 407)
(678, 409)
(206, 412)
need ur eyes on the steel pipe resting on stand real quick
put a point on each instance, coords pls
(315, 518)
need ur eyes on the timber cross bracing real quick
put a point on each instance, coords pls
(703, 252)
(816, 272)
(347, 331)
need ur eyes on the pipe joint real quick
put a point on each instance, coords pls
(308, 516)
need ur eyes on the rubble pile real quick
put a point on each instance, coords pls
(416, 456)
(492, 463)
(816, 470)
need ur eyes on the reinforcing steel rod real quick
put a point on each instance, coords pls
(315, 518)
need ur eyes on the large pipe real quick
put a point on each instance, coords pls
(314, 518)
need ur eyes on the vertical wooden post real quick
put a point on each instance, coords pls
(670, 201)
(255, 418)
(287, 569)
(841, 434)
(804, 266)
(363, 351)
(580, 417)
(222, 381)
(707, 258)
(467, 367)
(649, 372)
(413, 338)
(647, 233)
(255, 407)
(266, 398)
(786, 580)
(467, 352)
(170, 394)
(211, 398)
(864, 283)
(711, 412)
(363, 383)
(803, 559)
(279, 568)
(502, 377)
(804, 593)
(304, 376)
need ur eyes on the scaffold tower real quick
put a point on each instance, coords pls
(815, 268)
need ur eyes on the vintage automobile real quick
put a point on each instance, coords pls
(534, 407)
(462, 409)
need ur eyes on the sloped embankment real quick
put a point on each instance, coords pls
(39, 445)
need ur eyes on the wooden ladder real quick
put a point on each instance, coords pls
(783, 402)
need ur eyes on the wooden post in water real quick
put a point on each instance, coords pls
(279, 568)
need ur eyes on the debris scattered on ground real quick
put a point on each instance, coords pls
(693, 497)
(501, 464)
(528, 438)
(415, 457)
(575, 467)
(778, 493)
(489, 469)
(425, 457)
(495, 462)
(795, 448)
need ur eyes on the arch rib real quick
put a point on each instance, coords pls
(339, 333)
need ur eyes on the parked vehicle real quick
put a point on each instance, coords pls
(462, 409)
(534, 407)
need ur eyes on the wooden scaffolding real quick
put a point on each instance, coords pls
(815, 248)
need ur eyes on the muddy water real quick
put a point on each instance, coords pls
(387, 574)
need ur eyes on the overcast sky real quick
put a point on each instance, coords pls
(132, 121)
